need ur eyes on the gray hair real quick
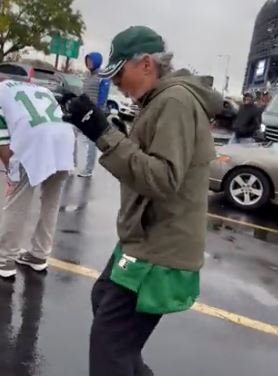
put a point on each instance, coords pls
(163, 61)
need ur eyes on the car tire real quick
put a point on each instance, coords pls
(247, 188)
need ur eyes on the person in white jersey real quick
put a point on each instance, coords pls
(36, 147)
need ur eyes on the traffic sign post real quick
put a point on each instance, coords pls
(61, 46)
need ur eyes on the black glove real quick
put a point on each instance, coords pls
(119, 124)
(85, 115)
(65, 100)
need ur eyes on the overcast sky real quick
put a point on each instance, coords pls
(196, 31)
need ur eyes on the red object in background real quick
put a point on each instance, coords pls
(31, 74)
(212, 124)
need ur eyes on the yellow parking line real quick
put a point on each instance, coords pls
(77, 269)
(242, 223)
(198, 307)
(235, 318)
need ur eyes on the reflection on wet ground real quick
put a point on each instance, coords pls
(45, 319)
(261, 224)
(265, 217)
(19, 326)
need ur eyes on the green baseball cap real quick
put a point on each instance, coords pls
(133, 41)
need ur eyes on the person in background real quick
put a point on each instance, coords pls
(36, 147)
(97, 90)
(163, 168)
(264, 101)
(247, 121)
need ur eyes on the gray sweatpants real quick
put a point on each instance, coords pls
(16, 210)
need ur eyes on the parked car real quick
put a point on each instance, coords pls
(67, 83)
(35, 73)
(43, 75)
(70, 82)
(127, 110)
(247, 174)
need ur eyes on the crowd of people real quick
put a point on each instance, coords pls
(163, 170)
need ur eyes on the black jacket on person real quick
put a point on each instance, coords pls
(247, 121)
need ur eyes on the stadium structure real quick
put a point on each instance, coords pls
(262, 67)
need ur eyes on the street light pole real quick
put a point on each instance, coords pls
(226, 77)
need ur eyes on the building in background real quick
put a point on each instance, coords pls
(262, 67)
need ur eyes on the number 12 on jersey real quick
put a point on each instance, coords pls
(46, 116)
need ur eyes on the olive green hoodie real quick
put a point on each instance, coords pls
(163, 168)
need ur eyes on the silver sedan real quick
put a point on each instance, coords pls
(247, 174)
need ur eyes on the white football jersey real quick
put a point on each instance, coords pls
(41, 142)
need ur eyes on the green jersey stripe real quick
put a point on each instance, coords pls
(4, 141)
(3, 123)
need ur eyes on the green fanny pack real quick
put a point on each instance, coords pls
(159, 290)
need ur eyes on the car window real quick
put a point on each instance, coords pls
(43, 74)
(272, 108)
(73, 80)
(12, 69)
(46, 78)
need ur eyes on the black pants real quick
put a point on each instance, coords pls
(119, 333)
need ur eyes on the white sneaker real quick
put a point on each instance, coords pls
(84, 174)
(7, 269)
(35, 263)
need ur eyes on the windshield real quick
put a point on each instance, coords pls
(74, 81)
(46, 79)
(272, 108)
(43, 74)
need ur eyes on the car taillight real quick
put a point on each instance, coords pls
(31, 74)
(223, 157)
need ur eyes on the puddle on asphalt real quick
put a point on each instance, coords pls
(70, 231)
(217, 225)
(258, 293)
(73, 208)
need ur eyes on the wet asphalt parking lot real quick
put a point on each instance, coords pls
(233, 330)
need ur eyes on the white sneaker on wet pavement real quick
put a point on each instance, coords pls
(7, 269)
(85, 174)
(35, 263)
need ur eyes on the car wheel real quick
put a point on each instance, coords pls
(247, 188)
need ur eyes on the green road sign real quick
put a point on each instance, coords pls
(65, 46)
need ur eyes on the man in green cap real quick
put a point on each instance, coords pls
(163, 168)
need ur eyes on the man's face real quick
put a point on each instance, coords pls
(136, 78)
(266, 99)
(248, 100)
(89, 63)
